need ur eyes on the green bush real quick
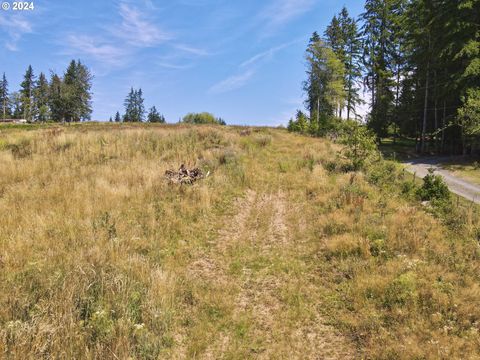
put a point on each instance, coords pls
(433, 188)
(202, 118)
(361, 148)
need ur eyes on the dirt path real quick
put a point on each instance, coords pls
(458, 186)
(258, 238)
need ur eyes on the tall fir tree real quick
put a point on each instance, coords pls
(56, 99)
(77, 82)
(27, 86)
(154, 116)
(129, 104)
(4, 97)
(343, 37)
(134, 107)
(325, 84)
(41, 95)
(378, 28)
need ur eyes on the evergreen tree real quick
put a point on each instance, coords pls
(311, 86)
(77, 82)
(16, 103)
(41, 98)
(154, 116)
(378, 29)
(129, 104)
(118, 117)
(4, 97)
(326, 83)
(139, 106)
(134, 108)
(26, 91)
(343, 37)
(56, 98)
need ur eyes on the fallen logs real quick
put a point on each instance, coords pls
(185, 176)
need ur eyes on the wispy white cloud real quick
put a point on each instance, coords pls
(172, 66)
(232, 82)
(98, 49)
(15, 26)
(267, 55)
(138, 30)
(280, 12)
(248, 70)
(192, 50)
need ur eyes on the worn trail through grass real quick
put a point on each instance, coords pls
(256, 249)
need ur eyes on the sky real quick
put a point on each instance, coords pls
(242, 60)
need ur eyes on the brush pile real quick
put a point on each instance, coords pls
(184, 175)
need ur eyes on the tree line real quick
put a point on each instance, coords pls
(61, 98)
(419, 62)
(135, 112)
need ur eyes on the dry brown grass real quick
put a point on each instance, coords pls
(272, 256)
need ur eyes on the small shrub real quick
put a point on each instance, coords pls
(21, 150)
(433, 188)
(263, 140)
(361, 148)
(402, 291)
(227, 156)
(101, 325)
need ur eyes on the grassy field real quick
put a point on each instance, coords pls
(275, 255)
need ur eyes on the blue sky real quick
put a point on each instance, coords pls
(241, 60)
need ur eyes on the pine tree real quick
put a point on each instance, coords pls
(139, 106)
(134, 108)
(118, 117)
(41, 98)
(154, 116)
(311, 86)
(16, 102)
(77, 82)
(378, 30)
(56, 99)
(325, 84)
(129, 104)
(343, 37)
(27, 87)
(4, 97)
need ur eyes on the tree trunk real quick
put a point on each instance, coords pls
(443, 124)
(435, 113)
(425, 112)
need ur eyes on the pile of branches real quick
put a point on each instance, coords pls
(184, 175)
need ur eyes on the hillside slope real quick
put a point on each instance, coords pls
(274, 255)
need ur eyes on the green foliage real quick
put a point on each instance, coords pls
(202, 118)
(26, 92)
(40, 95)
(433, 188)
(300, 124)
(469, 114)
(343, 37)
(324, 86)
(154, 116)
(361, 148)
(76, 92)
(134, 108)
(4, 99)
(401, 291)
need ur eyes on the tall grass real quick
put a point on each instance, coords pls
(101, 258)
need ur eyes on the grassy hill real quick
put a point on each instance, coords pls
(277, 254)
